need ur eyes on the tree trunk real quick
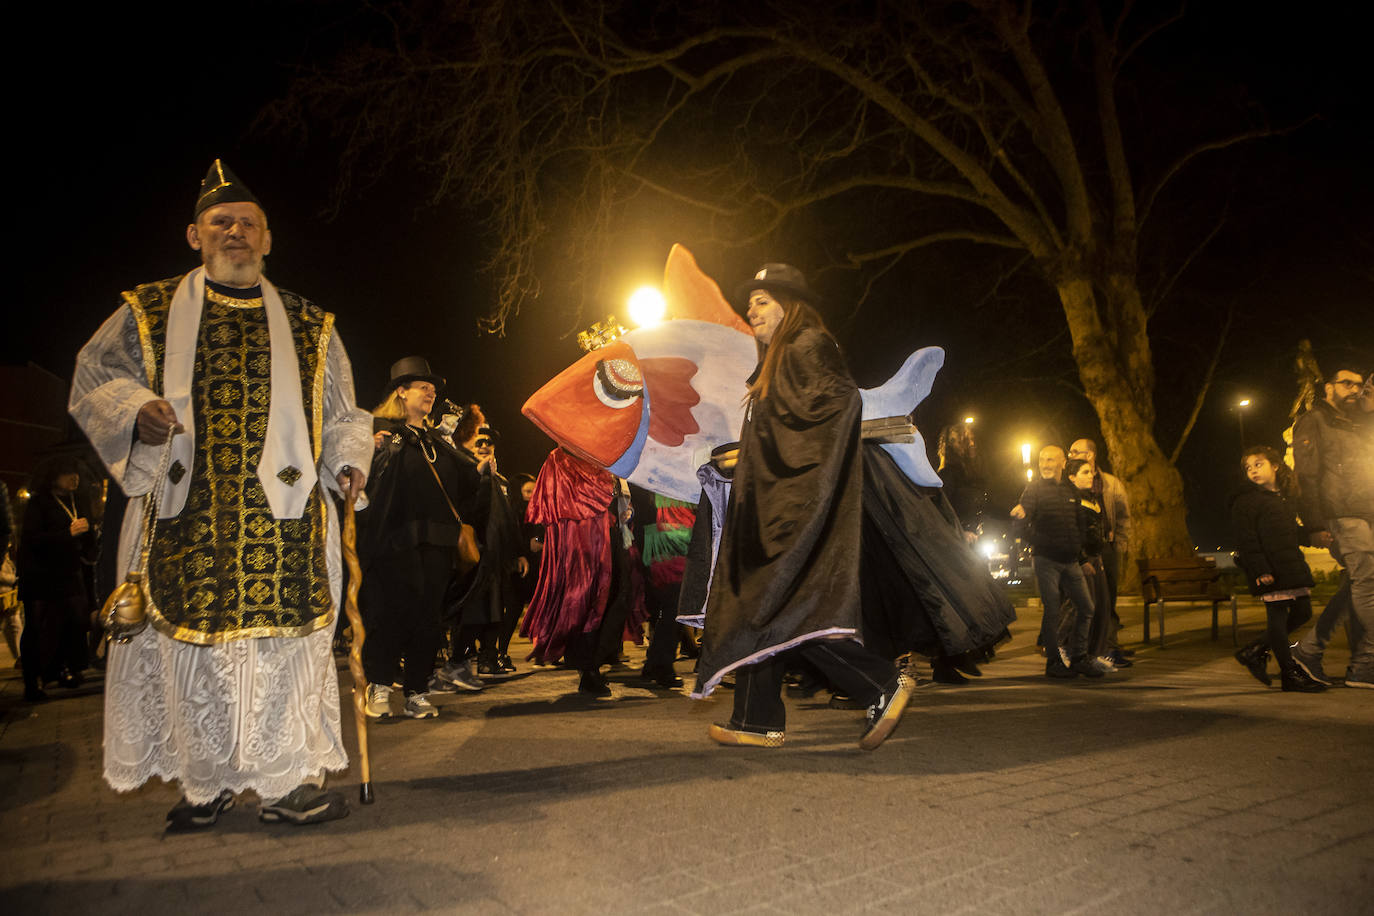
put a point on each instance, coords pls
(1106, 363)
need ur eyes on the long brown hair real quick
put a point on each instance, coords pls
(797, 316)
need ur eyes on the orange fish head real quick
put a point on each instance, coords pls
(595, 407)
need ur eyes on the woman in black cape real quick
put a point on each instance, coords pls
(787, 576)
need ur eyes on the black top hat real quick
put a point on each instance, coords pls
(221, 186)
(777, 278)
(413, 369)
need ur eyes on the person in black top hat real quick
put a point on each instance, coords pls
(408, 541)
(787, 576)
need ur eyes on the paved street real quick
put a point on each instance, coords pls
(1178, 786)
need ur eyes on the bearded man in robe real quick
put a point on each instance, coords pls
(240, 397)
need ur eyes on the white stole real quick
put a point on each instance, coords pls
(287, 444)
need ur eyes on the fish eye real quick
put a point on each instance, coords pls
(617, 383)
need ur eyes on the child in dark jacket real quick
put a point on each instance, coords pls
(1264, 518)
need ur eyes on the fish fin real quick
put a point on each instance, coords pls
(671, 398)
(690, 293)
(909, 385)
(898, 396)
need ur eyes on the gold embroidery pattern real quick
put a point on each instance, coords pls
(289, 475)
(225, 568)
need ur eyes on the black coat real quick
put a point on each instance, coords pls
(788, 567)
(923, 587)
(1054, 523)
(50, 560)
(406, 505)
(1269, 539)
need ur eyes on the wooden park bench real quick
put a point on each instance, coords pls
(1187, 579)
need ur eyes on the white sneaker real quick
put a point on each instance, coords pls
(418, 706)
(378, 704)
(1104, 664)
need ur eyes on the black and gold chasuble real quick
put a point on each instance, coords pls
(225, 568)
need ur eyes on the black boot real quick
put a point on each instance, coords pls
(943, 671)
(1255, 657)
(1296, 680)
(593, 684)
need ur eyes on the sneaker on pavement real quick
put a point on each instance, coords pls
(305, 805)
(459, 676)
(504, 664)
(884, 715)
(740, 736)
(492, 671)
(418, 706)
(439, 685)
(1104, 664)
(185, 816)
(378, 704)
(1119, 659)
(1362, 679)
(1310, 663)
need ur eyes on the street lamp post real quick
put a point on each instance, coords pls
(1241, 406)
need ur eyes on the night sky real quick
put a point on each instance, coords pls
(123, 113)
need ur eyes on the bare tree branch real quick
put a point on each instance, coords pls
(1206, 385)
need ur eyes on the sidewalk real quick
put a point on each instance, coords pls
(1177, 786)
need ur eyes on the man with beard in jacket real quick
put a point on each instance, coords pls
(1333, 455)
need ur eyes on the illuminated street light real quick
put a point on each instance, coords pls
(1025, 452)
(647, 306)
(1241, 407)
(968, 421)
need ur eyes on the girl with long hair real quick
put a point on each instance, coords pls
(1264, 519)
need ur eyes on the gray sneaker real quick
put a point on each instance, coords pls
(418, 706)
(439, 685)
(1312, 664)
(305, 805)
(378, 704)
(1364, 679)
(459, 676)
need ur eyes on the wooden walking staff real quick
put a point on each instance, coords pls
(355, 652)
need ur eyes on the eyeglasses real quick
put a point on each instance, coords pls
(1347, 383)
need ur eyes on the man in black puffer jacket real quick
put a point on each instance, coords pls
(1333, 455)
(1048, 517)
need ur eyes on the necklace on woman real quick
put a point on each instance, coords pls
(71, 512)
(429, 451)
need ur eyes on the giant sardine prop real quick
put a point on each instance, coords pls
(651, 405)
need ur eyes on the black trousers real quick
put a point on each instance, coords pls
(859, 672)
(402, 598)
(662, 602)
(54, 638)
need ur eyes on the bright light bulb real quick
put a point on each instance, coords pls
(968, 421)
(1025, 453)
(647, 306)
(1245, 402)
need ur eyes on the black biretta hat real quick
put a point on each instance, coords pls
(221, 186)
(777, 278)
(412, 369)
